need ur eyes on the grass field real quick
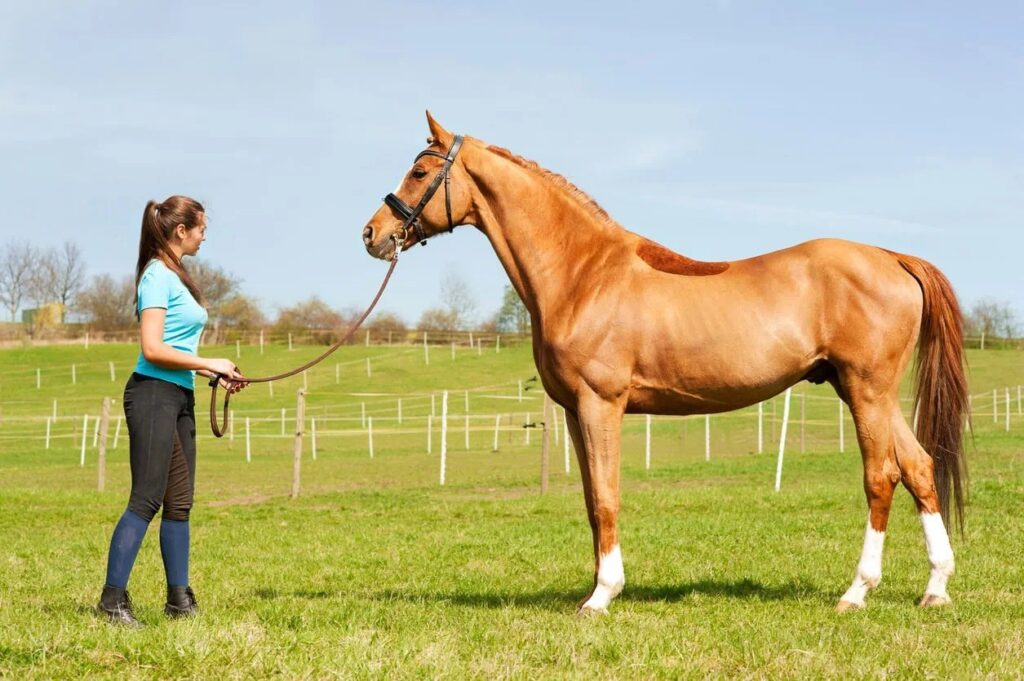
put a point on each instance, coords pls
(376, 571)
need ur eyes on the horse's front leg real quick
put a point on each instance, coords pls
(595, 430)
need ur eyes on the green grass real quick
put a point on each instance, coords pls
(377, 571)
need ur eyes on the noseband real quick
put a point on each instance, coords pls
(411, 215)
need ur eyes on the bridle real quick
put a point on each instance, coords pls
(411, 216)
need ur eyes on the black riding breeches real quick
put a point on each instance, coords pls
(162, 441)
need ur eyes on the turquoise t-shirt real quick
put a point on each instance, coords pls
(160, 287)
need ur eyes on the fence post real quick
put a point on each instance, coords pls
(369, 433)
(647, 444)
(399, 411)
(545, 440)
(74, 375)
(47, 432)
(444, 433)
(300, 413)
(102, 456)
(565, 442)
(261, 341)
(1007, 410)
(39, 379)
(707, 437)
(85, 432)
(430, 434)
(282, 421)
(497, 425)
(111, 364)
(782, 440)
(760, 427)
(426, 353)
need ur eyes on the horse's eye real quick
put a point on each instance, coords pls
(419, 173)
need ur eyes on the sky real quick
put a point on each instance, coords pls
(719, 129)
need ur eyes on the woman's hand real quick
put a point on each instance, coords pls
(224, 368)
(233, 386)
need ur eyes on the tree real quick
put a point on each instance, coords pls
(513, 316)
(437, 319)
(217, 286)
(458, 300)
(992, 318)
(108, 303)
(18, 262)
(241, 312)
(311, 315)
(383, 323)
(59, 275)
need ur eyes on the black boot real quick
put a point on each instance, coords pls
(181, 602)
(116, 605)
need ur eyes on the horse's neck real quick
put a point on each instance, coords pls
(543, 236)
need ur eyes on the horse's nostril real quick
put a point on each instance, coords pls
(368, 235)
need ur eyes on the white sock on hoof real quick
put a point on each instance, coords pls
(869, 569)
(610, 579)
(940, 554)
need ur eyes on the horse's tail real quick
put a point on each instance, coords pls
(941, 397)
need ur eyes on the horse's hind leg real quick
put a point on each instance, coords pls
(872, 415)
(919, 478)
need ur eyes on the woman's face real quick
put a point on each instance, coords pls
(192, 238)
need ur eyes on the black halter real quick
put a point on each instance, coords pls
(411, 215)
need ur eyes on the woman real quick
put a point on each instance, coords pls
(159, 406)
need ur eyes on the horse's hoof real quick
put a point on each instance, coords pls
(847, 606)
(590, 611)
(934, 601)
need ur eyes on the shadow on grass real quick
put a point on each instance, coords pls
(560, 599)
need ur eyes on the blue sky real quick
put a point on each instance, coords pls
(720, 129)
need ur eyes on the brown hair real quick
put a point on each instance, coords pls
(158, 222)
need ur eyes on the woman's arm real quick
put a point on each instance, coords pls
(151, 336)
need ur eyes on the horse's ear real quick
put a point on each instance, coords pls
(439, 135)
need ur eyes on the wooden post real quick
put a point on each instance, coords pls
(270, 387)
(471, 343)
(101, 459)
(466, 431)
(111, 365)
(760, 427)
(369, 433)
(1007, 410)
(86, 340)
(430, 434)
(47, 432)
(982, 340)
(337, 374)
(444, 433)
(565, 442)
(261, 341)
(367, 338)
(289, 342)
(39, 379)
(248, 440)
(369, 373)
(803, 421)
(312, 436)
(362, 419)
(117, 433)
(399, 411)
(74, 375)
(497, 425)
(282, 421)
(647, 445)
(300, 415)
(85, 432)
(55, 405)
(526, 429)
(782, 440)
(707, 437)
(95, 433)
(497, 344)
(238, 349)
(545, 440)
(426, 352)
(842, 447)
(520, 391)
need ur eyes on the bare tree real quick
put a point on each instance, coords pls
(437, 319)
(18, 261)
(59, 275)
(107, 302)
(992, 318)
(241, 312)
(217, 287)
(458, 300)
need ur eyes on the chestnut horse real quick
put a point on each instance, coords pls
(623, 325)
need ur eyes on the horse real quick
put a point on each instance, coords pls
(621, 324)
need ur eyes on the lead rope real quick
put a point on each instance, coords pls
(219, 428)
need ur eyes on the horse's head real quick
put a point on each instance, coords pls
(433, 197)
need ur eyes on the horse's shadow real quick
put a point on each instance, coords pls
(557, 599)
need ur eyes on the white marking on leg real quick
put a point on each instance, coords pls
(610, 579)
(940, 554)
(869, 569)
